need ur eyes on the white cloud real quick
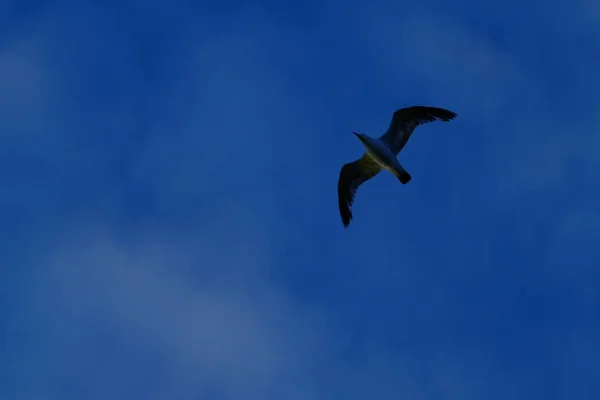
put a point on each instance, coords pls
(207, 308)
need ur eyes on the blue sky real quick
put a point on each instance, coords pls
(169, 212)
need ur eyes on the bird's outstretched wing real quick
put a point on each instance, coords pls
(405, 120)
(352, 176)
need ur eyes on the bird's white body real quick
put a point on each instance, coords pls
(381, 154)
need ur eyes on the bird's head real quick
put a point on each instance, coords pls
(364, 139)
(360, 136)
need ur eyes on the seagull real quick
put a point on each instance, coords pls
(381, 153)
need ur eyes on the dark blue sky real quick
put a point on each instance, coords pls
(169, 209)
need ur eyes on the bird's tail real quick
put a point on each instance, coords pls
(403, 177)
(402, 174)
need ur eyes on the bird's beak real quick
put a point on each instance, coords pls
(357, 135)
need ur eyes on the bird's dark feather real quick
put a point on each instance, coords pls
(405, 120)
(352, 175)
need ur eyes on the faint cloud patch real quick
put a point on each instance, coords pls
(24, 88)
(184, 300)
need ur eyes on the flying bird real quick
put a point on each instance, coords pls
(381, 153)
